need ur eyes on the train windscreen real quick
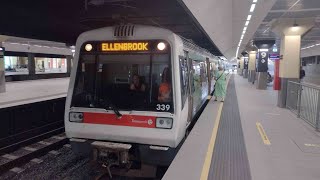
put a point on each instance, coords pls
(128, 81)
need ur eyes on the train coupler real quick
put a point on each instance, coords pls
(111, 154)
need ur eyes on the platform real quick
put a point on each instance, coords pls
(254, 140)
(25, 92)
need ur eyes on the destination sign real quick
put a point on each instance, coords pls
(125, 46)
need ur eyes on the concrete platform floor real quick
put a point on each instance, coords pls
(24, 92)
(294, 149)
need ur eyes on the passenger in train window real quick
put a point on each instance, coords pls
(165, 87)
(220, 86)
(136, 84)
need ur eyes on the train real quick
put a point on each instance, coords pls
(134, 93)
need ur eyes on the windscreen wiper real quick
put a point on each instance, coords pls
(107, 104)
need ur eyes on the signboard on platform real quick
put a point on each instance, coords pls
(274, 56)
(262, 64)
(245, 63)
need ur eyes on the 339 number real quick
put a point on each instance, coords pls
(163, 107)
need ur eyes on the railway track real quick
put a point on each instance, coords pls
(12, 160)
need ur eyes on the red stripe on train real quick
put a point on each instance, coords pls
(125, 120)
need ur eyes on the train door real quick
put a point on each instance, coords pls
(190, 88)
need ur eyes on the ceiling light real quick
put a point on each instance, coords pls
(255, 1)
(263, 50)
(249, 17)
(243, 32)
(252, 7)
(247, 23)
(241, 37)
(245, 28)
(295, 26)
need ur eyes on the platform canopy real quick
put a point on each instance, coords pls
(64, 20)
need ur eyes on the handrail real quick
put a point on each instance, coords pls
(304, 100)
(306, 84)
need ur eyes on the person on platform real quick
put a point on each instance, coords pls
(220, 86)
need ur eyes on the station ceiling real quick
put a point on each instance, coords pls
(64, 20)
(292, 9)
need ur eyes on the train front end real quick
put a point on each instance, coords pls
(120, 103)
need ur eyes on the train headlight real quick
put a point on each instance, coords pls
(161, 46)
(76, 117)
(88, 47)
(163, 122)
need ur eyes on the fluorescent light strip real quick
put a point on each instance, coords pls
(311, 46)
(252, 7)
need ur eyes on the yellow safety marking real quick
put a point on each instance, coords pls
(263, 134)
(312, 145)
(209, 97)
(207, 162)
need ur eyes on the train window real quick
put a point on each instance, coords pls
(183, 63)
(139, 82)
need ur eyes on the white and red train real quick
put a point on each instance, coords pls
(104, 114)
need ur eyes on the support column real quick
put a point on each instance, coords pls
(241, 66)
(290, 31)
(252, 66)
(2, 71)
(245, 67)
(262, 62)
(31, 64)
(238, 66)
(69, 64)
